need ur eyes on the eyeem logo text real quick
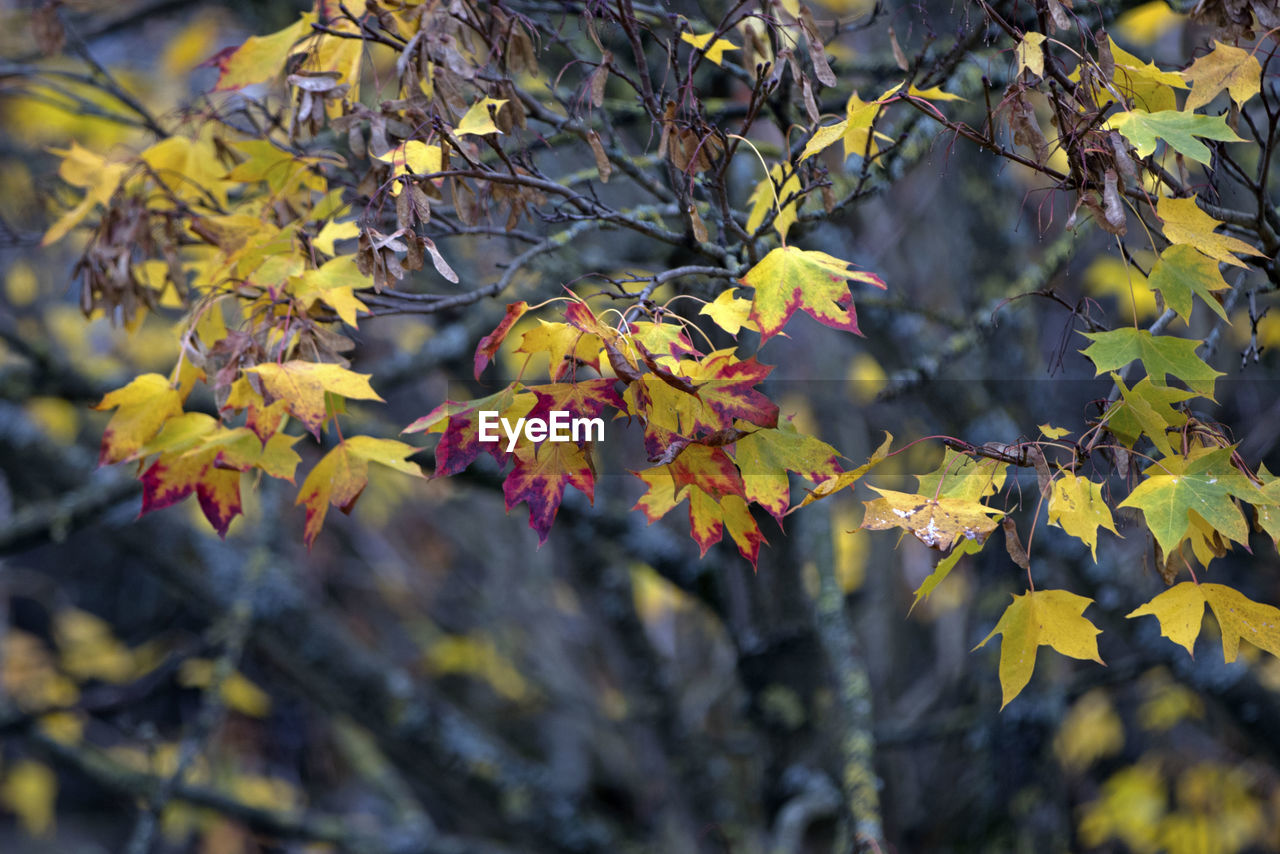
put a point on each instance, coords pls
(560, 427)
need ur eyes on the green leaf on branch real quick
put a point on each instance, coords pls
(1161, 355)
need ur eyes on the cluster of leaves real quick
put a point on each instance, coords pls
(238, 218)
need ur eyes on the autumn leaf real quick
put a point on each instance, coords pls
(1037, 618)
(943, 569)
(1179, 131)
(459, 423)
(564, 344)
(1185, 222)
(477, 120)
(1204, 483)
(303, 386)
(142, 407)
(1077, 506)
(710, 481)
(714, 50)
(1161, 355)
(1029, 53)
(789, 278)
(1225, 67)
(258, 59)
(1180, 610)
(582, 399)
(490, 343)
(342, 474)
(765, 456)
(933, 93)
(1181, 273)
(1146, 409)
(848, 478)
(540, 476)
(730, 313)
(771, 192)
(938, 523)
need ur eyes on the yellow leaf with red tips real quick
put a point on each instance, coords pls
(303, 386)
(142, 407)
(343, 473)
(260, 58)
(789, 278)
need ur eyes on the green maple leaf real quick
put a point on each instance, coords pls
(789, 278)
(1161, 355)
(1147, 408)
(1181, 273)
(1204, 483)
(1178, 130)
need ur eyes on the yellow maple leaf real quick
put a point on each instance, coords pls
(1052, 618)
(343, 473)
(304, 384)
(1225, 67)
(477, 120)
(730, 313)
(1181, 608)
(1030, 54)
(142, 407)
(1184, 222)
(939, 523)
(714, 50)
(1076, 505)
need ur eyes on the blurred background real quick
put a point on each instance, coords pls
(427, 679)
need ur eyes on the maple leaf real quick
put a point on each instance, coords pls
(938, 523)
(477, 121)
(1178, 130)
(933, 93)
(1225, 67)
(765, 456)
(303, 385)
(943, 569)
(854, 129)
(582, 399)
(1029, 53)
(1181, 273)
(1076, 505)
(1205, 483)
(490, 343)
(848, 478)
(730, 313)
(1180, 610)
(714, 50)
(142, 407)
(962, 476)
(413, 157)
(460, 424)
(342, 474)
(564, 344)
(1147, 409)
(99, 178)
(1184, 222)
(771, 192)
(334, 282)
(1161, 355)
(1150, 87)
(788, 278)
(540, 476)
(1053, 618)
(257, 60)
(716, 494)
